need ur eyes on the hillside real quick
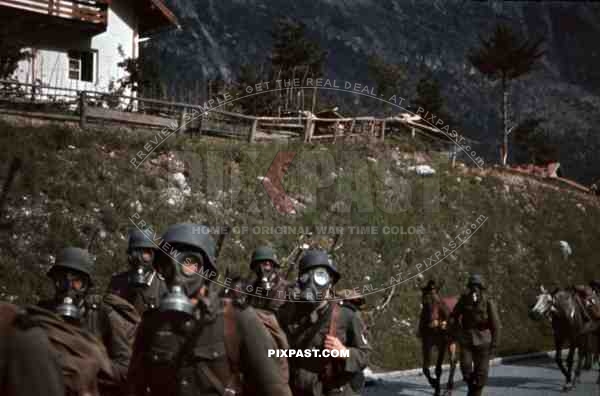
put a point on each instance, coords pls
(219, 36)
(73, 181)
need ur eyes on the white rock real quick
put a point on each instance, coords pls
(371, 159)
(565, 249)
(102, 234)
(171, 201)
(180, 181)
(263, 178)
(367, 278)
(422, 170)
(71, 147)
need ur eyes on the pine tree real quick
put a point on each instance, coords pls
(506, 57)
(294, 55)
(429, 96)
(388, 77)
(533, 142)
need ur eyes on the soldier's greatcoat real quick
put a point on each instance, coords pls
(308, 331)
(174, 357)
(142, 299)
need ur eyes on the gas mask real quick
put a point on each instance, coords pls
(267, 275)
(140, 261)
(184, 276)
(314, 284)
(475, 294)
(71, 287)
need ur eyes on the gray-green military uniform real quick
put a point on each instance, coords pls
(141, 285)
(142, 299)
(199, 344)
(110, 318)
(477, 328)
(172, 361)
(309, 332)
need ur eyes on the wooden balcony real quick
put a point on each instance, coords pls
(87, 11)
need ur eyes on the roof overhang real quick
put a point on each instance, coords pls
(155, 16)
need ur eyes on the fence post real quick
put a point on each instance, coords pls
(181, 123)
(382, 131)
(309, 130)
(252, 134)
(82, 110)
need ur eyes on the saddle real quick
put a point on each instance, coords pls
(589, 300)
(441, 310)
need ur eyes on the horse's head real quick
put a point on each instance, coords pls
(544, 305)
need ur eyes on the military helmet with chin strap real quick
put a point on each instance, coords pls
(187, 238)
(264, 253)
(318, 258)
(195, 235)
(73, 258)
(139, 240)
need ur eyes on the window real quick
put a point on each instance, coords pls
(81, 65)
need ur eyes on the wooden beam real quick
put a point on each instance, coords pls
(133, 118)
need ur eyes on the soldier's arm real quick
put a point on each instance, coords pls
(454, 319)
(136, 384)
(119, 338)
(359, 347)
(255, 342)
(494, 321)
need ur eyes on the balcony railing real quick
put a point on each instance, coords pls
(91, 11)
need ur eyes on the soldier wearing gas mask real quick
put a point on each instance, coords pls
(269, 288)
(111, 319)
(141, 285)
(268, 293)
(196, 343)
(476, 325)
(312, 321)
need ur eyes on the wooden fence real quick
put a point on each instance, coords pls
(93, 107)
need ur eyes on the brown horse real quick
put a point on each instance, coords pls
(434, 332)
(569, 326)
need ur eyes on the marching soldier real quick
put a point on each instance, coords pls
(313, 322)
(141, 285)
(475, 317)
(269, 290)
(355, 302)
(196, 343)
(111, 319)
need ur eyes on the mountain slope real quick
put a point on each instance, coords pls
(217, 37)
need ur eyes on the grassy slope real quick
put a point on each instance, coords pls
(62, 193)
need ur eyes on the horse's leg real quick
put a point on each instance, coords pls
(453, 360)
(570, 358)
(558, 344)
(441, 347)
(427, 346)
(587, 351)
(582, 353)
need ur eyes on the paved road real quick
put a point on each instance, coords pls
(538, 377)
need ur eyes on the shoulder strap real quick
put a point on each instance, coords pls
(232, 345)
(335, 313)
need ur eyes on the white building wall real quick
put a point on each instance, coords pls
(121, 31)
(50, 64)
